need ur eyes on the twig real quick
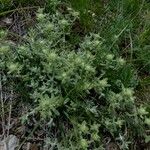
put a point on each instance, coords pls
(17, 9)
(2, 107)
(29, 135)
(10, 110)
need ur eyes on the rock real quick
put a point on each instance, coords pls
(10, 143)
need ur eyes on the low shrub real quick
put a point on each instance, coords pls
(88, 88)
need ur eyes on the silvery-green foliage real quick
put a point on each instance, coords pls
(83, 85)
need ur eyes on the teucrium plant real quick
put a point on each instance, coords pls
(83, 85)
